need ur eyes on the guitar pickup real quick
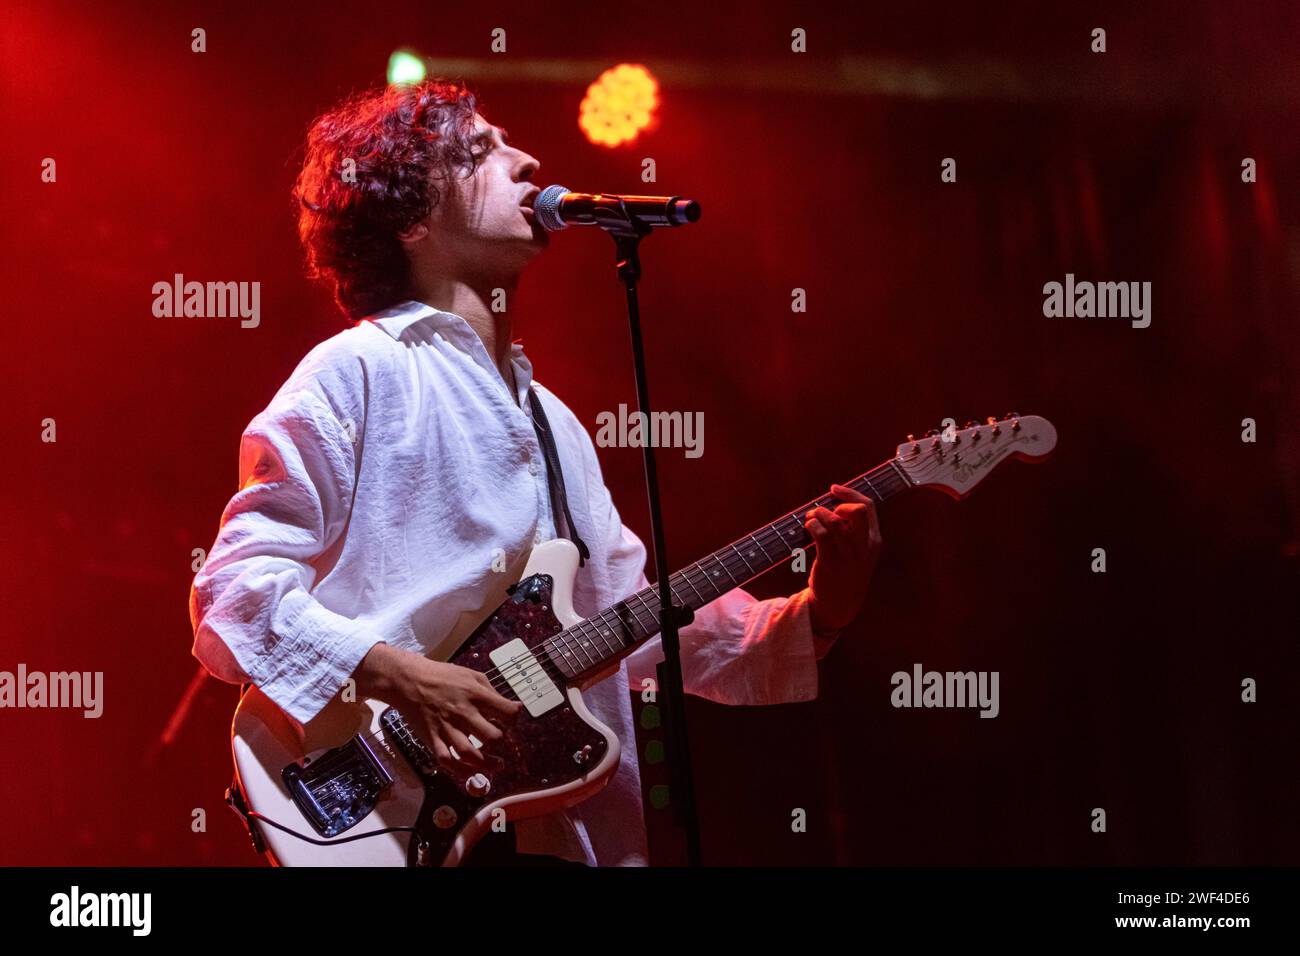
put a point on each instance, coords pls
(526, 677)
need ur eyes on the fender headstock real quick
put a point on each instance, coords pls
(954, 460)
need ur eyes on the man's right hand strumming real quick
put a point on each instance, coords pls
(443, 703)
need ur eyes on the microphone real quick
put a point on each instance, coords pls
(556, 208)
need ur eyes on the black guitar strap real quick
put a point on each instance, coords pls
(554, 475)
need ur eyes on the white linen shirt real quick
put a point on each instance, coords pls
(373, 491)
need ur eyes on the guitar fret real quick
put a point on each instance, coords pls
(611, 630)
(742, 557)
(901, 474)
(618, 625)
(687, 578)
(778, 544)
(703, 577)
(579, 646)
(714, 575)
(654, 614)
(562, 641)
(632, 622)
(796, 532)
(603, 638)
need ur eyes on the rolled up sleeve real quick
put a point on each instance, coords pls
(251, 605)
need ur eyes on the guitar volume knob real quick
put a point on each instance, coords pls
(444, 817)
(478, 785)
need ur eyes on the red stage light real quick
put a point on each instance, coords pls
(619, 105)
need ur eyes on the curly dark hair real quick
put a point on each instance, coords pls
(401, 138)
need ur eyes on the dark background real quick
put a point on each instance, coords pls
(819, 171)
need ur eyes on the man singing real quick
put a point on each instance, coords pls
(401, 456)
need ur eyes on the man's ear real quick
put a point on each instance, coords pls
(414, 233)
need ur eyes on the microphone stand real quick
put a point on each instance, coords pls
(627, 232)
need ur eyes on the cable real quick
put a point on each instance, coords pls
(254, 815)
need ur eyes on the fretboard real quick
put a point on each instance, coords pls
(588, 646)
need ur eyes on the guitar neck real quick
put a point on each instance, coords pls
(589, 646)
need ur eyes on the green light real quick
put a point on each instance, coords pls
(405, 67)
(649, 716)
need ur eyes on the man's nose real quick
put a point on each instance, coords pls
(528, 167)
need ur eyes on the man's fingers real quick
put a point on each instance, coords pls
(814, 528)
(440, 752)
(856, 515)
(840, 532)
(873, 522)
(469, 755)
(491, 700)
(829, 519)
(845, 493)
(816, 525)
(851, 529)
(484, 729)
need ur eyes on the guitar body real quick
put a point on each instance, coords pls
(356, 768)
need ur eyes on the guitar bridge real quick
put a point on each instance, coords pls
(410, 746)
(337, 789)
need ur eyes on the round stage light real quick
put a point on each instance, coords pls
(405, 66)
(619, 105)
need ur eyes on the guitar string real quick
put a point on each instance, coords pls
(529, 662)
(566, 644)
(564, 640)
(910, 481)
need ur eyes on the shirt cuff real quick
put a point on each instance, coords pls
(822, 641)
(303, 670)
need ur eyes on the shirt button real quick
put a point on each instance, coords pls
(537, 538)
(532, 468)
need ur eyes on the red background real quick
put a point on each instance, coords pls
(924, 301)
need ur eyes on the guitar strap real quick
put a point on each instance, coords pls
(554, 475)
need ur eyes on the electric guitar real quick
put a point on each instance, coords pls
(355, 786)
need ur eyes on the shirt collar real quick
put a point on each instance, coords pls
(397, 319)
